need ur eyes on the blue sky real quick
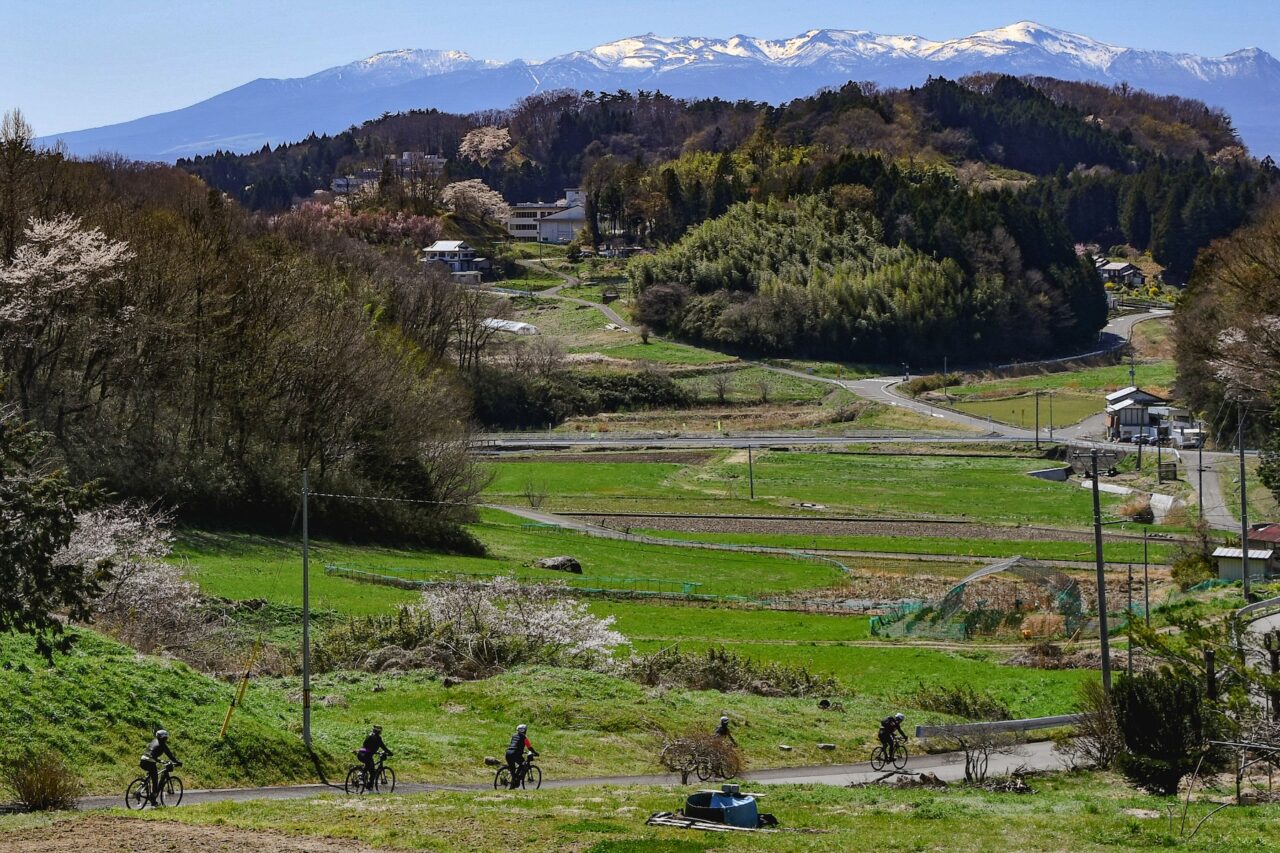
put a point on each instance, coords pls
(71, 64)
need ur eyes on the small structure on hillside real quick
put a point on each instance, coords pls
(1130, 414)
(1230, 563)
(1121, 272)
(1015, 596)
(515, 327)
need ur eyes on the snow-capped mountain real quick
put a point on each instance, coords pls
(1246, 82)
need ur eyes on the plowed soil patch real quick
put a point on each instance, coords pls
(126, 835)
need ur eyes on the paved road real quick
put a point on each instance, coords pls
(947, 766)
(1214, 499)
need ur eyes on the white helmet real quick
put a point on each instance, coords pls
(900, 716)
(522, 728)
(724, 719)
(161, 734)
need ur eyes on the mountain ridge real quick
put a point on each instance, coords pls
(268, 111)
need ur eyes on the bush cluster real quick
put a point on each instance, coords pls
(720, 669)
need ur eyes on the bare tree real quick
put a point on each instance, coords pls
(763, 386)
(535, 492)
(977, 746)
(720, 384)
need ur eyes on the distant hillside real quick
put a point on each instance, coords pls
(1245, 83)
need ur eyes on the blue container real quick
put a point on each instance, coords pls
(732, 809)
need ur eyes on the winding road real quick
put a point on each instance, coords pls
(946, 766)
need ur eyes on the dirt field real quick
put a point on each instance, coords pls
(125, 835)
(830, 527)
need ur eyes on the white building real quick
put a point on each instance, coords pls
(568, 216)
(418, 163)
(1129, 414)
(455, 254)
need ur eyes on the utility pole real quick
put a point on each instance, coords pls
(1037, 420)
(1244, 507)
(1129, 624)
(1051, 416)
(1201, 466)
(945, 395)
(1102, 580)
(751, 472)
(306, 622)
(1146, 579)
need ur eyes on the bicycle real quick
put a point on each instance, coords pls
(139, 794)
(384, 778)
(896, 756)
(529, 774)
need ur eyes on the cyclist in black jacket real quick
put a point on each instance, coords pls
(369, 751)
(722, 730)
(150, 762)
(889, 727)
(515, 753)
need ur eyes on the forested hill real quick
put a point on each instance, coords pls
(961, 203)
(559, 136)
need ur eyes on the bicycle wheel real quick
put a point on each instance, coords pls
(355, 781)
(387, 780)
(135, 796)
(171, 791)
(502, 779)
(877, 758)
(900, 757)
(532, 777)
(705, 770)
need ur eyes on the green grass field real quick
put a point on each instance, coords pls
(1082, 813)
(927, 485)
(752, 384)
(1151, 375)
(666, 352)
(978, 488)
(1020, 411)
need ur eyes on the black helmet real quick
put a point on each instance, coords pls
(161, 734)
(377, 730)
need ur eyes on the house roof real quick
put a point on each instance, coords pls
(1118, 266)
(570, 213)
(1133, 393)
(447, 246)
(1265, 533)
(1237, 553)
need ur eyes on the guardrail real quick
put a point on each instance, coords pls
(1027, 725)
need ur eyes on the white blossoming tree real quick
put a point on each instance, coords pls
(484, 144)
(474, 199)
(482, 628)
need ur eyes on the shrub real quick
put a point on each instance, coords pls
(1097, 739)
(1193, 563)
(1162, 718)
(683, 755)
(720, 669)
(476, 630)
(960, 700)
(42, 781)
(1137, 508)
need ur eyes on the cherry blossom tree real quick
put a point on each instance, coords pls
(475, 200)
(484, 144)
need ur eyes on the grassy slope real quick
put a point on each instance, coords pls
(1081, 813)
(101, 702)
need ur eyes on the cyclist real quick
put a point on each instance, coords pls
(150, 762)
(722, 730)
(889, 728)
(515, 753)
(368, 752)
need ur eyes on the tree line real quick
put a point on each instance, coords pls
(176, 349)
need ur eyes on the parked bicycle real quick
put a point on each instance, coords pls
(528, 775)
(896, 755)
(168, 789)
(383, 779)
